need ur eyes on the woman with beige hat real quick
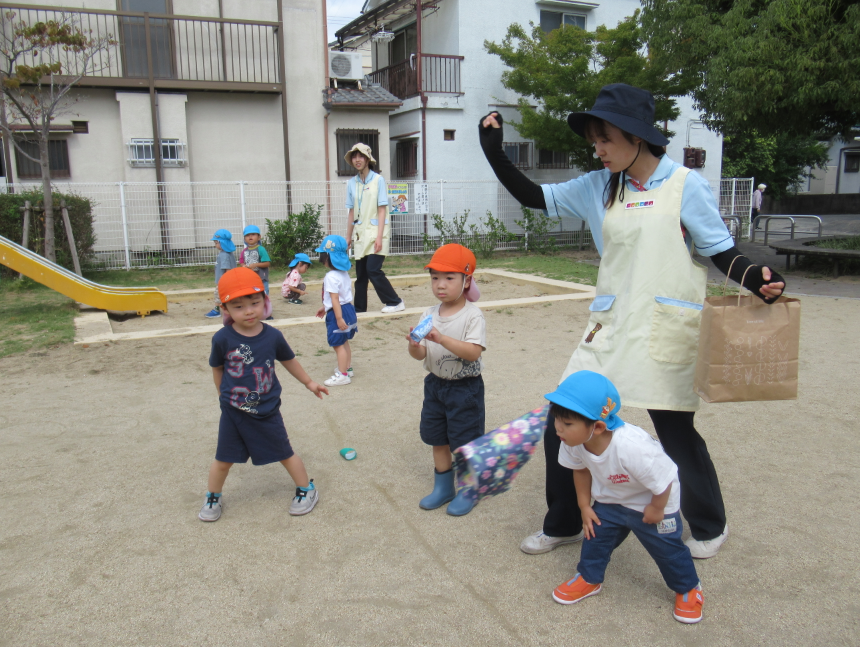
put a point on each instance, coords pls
(368, 229)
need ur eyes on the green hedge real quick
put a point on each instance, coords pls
(80, 213)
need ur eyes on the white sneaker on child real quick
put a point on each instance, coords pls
(211, 510)
(338, 379)
(349, 371)
(304, 501)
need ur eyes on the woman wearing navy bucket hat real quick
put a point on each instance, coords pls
(645, 212)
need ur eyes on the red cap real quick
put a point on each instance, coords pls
(239, 282)
(453, 258)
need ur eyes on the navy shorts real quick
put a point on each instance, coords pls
(453, 411)
(336, 336)
(263, 440)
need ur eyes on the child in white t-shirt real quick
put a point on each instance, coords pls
(635, 488)
(340, 318)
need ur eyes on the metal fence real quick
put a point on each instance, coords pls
(736, 200)
(143, 225)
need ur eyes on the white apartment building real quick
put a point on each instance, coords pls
(437, 65)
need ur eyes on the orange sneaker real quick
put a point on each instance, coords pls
(688, 606)
(575, 590)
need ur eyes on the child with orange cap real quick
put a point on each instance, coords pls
(243, 359)
(453, 410)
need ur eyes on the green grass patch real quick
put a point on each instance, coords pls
(34, 317)
(852, 243)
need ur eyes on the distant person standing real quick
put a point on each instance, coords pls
(368, 229)
(756, 203)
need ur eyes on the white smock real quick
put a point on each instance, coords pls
(643, 333)
(366, 222)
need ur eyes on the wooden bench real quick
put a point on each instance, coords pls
(808, 247)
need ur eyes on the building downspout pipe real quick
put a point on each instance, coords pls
(326, 84)
(282, 69)
(422, 96)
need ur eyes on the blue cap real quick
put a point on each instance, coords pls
(591, 395)
(251, 229)
(226, 239)
(335, 247)
(300, 258)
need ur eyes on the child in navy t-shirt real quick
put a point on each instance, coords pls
(243, 359)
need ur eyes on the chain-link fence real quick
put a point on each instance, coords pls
(140, 225)
(736, 200)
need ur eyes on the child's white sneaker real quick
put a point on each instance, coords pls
(349, 371)
(304, 501)
(211, 510)
(338, 379)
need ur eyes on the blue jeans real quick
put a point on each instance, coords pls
(666, 548)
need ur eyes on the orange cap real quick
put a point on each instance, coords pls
(453, 258)
(239, 282)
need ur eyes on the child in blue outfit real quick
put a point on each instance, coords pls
(635, 488)
(255, 257)
(453, 411)
(243, 359)
(224, 261)
(340, 318)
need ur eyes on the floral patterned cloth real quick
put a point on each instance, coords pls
(488, 465)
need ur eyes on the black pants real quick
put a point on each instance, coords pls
(701, 499)
(367, 269)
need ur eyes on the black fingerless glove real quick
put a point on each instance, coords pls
(754, 280)
(518, 185)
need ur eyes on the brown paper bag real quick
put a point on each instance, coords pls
(748, 349)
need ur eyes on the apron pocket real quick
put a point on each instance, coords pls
(598, 323)
(675, 331)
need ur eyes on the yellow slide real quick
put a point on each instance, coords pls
(104, 297)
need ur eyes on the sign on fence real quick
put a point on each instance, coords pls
(398, 197)
(421, 201)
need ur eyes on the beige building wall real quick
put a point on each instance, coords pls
(230, 136)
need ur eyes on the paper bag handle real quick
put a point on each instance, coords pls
(743, 278)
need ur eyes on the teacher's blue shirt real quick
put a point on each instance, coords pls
(583, 198)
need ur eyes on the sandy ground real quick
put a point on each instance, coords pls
(183, 314)
(104, 459)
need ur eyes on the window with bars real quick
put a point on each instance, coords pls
(550, 20)
(552, 159)
(141, 152)
(349, 137)
(406, 154)
(520, 153)
(58, 159)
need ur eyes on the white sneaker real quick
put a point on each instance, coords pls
(304, 501)
(338, 379)
(709, 547)
(349, 371)
(211, 510)
(540, 543)
(400, 306)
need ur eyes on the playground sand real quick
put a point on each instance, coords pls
(104, 458)
(182, 314)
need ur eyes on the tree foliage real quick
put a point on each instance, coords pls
(770, 66)
(564, 70)
(781, 161)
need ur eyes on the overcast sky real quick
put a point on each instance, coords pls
(341, 12)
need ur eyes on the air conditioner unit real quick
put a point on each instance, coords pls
(345, 65)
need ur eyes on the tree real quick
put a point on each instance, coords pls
(40, 62)
(780, 161)
(764, 66)
(564, 71)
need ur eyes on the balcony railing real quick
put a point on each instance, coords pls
(440, 74)
(182, 49)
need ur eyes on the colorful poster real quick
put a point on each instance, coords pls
(398, 197)
(422, 198)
